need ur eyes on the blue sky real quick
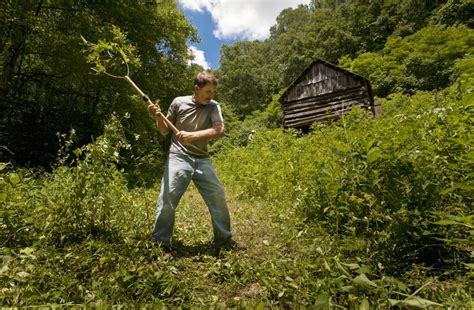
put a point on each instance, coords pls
(209, 44)
(226, 21)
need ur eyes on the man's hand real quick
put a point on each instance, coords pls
(154, 110)
(186, 136)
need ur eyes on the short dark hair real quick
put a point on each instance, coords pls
(205, 77)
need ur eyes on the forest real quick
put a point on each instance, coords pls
(360, 213)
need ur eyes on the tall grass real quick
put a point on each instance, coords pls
(363, 212)
(396, 188)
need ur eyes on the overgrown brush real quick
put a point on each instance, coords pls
(79, 199)
(78, 234)
(363, 212)
(395, 190)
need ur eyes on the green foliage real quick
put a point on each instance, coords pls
(422, 61)
(110, 56)
(393, 189)
(238, 133)
(17, 189)
(361, 213)
(72, 235)
(334, 29)
(385, 75)
(351, 215)
(246, 83)
(79, 199)
(454, 12)
(46, 85)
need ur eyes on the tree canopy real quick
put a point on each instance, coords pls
(347, 29)
(46, 86)
(422, 61)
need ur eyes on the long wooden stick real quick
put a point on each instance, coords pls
(147, 100)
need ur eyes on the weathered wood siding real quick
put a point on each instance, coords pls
(322, 92)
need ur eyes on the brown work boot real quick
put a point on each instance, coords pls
(166, 249)
(234, 245)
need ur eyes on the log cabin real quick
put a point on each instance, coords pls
(324, 92)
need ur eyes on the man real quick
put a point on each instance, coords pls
(198, 119)
(250, 137)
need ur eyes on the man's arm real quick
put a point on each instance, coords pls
(162, 126)
(214, 133)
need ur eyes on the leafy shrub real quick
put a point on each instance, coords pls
(18, 189)
(79, 234)
(237, 133)
(392, 180)
(79, 199)
(422, 61)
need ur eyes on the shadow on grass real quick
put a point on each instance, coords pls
(182, 250)
(179, 250)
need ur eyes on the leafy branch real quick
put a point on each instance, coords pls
(109, 56)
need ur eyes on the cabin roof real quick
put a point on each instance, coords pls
(319, 60)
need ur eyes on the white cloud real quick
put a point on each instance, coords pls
(199, 57)
(242, 19)
(195, 5)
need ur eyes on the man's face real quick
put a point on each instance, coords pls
(203, 95)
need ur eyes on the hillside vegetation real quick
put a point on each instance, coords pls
(361, 213)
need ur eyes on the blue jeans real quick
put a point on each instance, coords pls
(179, 171)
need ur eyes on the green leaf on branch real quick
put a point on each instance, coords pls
(109, 55)
(362, 281)
(415, 301)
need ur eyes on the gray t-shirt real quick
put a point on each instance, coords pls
(189, 116)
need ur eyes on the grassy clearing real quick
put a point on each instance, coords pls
(363, 213)
(232, 277)
(287, 264)
(129, 269)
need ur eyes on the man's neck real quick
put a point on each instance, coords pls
(196, 101)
